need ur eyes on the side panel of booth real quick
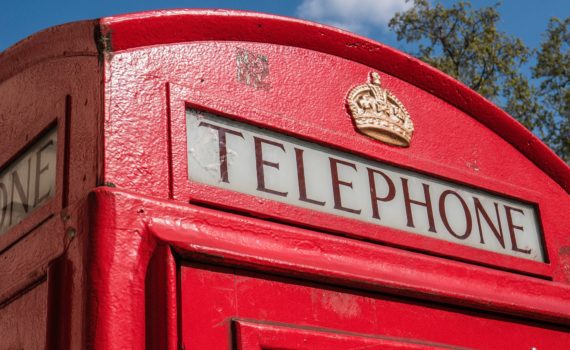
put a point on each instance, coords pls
(49, 85)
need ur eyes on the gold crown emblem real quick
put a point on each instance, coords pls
(379, 114)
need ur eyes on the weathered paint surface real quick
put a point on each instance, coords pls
(146, 264)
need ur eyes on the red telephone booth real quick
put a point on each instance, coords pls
(220, 179)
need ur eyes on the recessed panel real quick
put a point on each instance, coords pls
(271, 312)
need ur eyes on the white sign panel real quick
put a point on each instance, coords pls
(239, 157)
(28, 182)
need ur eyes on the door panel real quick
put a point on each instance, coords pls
(212, 299)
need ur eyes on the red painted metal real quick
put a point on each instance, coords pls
(221, 237)
(252, 336)
(162, 262)
(329, 318)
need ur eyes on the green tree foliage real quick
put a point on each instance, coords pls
(552, 69)
(465, 43)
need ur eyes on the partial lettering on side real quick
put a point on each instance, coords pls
(28, 182)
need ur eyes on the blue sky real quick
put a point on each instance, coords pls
(526, 19)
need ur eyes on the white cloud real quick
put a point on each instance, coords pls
(354, 15)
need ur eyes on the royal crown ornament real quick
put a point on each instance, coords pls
(379, 114)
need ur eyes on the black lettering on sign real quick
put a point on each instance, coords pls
(222, 149)
(3, 204)
(373, 191)
(496, 229)
(260, 163)
(336, 183)
(443, 214)
(301, 179)
(426, 203)
(513, 228)
(41, 172)
(18, 188)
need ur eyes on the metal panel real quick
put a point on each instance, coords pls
(283, 313)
